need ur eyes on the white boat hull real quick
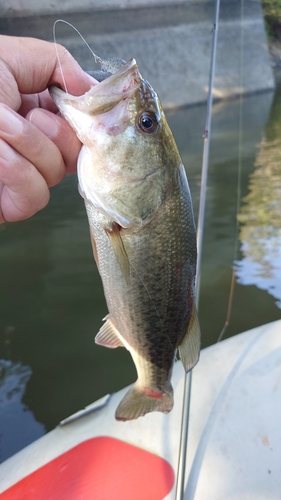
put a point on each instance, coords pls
(234, 442)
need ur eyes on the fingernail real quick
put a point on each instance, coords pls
(6, 152)
(45, 121)
(10, 123)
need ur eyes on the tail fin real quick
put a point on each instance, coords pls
(139, 401)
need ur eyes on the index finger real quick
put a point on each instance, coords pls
(34, 65)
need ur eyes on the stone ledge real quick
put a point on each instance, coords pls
(196, 8)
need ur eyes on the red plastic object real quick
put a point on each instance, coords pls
(101, 468)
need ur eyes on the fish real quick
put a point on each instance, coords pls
(142, 229)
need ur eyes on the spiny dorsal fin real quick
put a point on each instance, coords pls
(115, 238)
(108, 337)
(189, 348)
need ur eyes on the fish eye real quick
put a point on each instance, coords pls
(148, 122)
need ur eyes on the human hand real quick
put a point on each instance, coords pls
(37, 147)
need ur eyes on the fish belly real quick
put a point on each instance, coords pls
(151, 307)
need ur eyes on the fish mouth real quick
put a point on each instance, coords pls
(105, 95)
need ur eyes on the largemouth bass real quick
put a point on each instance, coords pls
(142, 229)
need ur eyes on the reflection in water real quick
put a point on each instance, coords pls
(251, 306)
(18, 426)
(260, 215)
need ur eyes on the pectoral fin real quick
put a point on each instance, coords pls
(108, 336)
(189, 349)
(118, 248)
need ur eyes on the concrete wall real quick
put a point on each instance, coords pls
(171, 41)
(33, 7)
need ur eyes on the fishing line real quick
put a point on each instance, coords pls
(200, 229)
(97, 58)
(229, 307)
(239, 174)
(57, 53)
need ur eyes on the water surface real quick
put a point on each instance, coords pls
(51, 298)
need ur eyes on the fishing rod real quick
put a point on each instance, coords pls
(200, 229)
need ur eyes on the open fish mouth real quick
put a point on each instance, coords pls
(105, 95)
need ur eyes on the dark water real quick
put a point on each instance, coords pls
(51, 299)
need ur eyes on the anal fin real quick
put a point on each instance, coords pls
(189, 349)
(108, 337)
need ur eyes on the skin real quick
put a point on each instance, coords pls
(37, 147)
